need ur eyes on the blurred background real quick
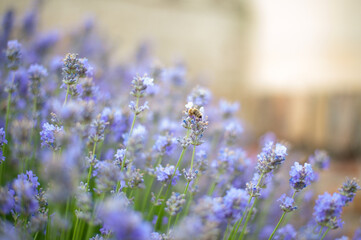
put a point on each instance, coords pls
(295, 66)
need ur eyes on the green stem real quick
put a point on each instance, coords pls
(130, 134)
(211, 189)
(226, 232)
(66, 96)
(323, 236)
(91, 166)
(247, 219)
(250, 211)
(279, 222)
(33, 135)
(156, 201)
(149, 189)
(7, 117)
(160, 214)
(319, 233)
(66, 217)
(177, 165)
(169, 221)
(135, 116)
(194, 150)
(48, 223)
(159, 221)
(238, 224)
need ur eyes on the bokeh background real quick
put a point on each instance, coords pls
(295, 66)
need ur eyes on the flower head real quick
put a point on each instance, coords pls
(36, 73)
(271, 157)
(301, 176)
(228, 109)
(25, 188)
(164, 145)
(164, 174)
(14, 54)
(107, 175)
(287, 203)
(320, 159)
(287, 232)
(7, 200)
(175, 203)
(73, 69)
(200, 96)
(235, 203)
(348, 190)
(49, 135)
(328, 209)
(119, 220)
(97, 129)
(119, 156)
(140, 84)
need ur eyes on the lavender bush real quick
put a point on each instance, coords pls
(94, 150)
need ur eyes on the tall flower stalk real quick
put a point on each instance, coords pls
(139, 87)
(270, 158)
(301, 177)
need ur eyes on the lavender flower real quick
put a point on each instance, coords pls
(83, 203)
(25, 188)
(36, 73)
(175, 203)
(138, 109)
(164, 174)
(190, 175)
(301, 176)
(49, 136)
(7, 23)
(161, 236)
(73, 69)
(201, 162)
(108, 175)
(233, 130)
(348, 190)
(135, 178)
(228, 109)
(7, 201)
(272, 156)
(320, 159)
(328, 209)
(88, 70)
(140, 84)
(29, 23)
(235, 203)
(121, 221)
(164, 145)
(287, 203)
(14, 54)
(119, 156)
(199, 96)
(2, 142)
(196, 122)
(288, 232)
(97, 130)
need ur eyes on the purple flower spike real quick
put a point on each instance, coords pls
(328, 209)
(301, 176)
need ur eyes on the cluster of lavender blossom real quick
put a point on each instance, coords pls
(93, 150)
